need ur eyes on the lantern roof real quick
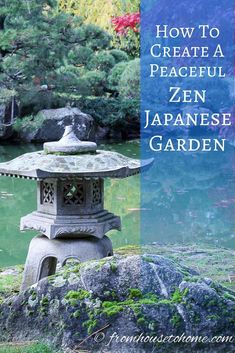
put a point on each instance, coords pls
(69, 158)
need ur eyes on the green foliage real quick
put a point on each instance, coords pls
(178, 295)
(90, 325)
(213, 317)
(113, 266)
(49, 58)
(129, 85)
(95, 82)
(6, 95)
(44, 301)
(148, 259)
(76, 314)
(117, 112)
(112, 308)
(34, 348)
(45, 53)
(141, 321)
(115, 75)
(134, 301)
(78, 295)
(99, 12)
(229, 296)
(119, 55)
(176, 320)
(102, 61)
(135, 293)
(89, 10)
(29, 123)
(149, 299)
(130, 43)
(10, 283)
(74, 297)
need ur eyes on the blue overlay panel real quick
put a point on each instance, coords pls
(187, 122)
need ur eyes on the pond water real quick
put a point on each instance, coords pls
(191, 199)
(18, 198)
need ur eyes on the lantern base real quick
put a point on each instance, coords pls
(44, 254)
(54, 227)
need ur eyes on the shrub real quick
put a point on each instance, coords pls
(129, 85)
(114, 112)
(125, 23)
(102, 61)
(95, 81)
(119, 55)
(115, 75)
(126, 28)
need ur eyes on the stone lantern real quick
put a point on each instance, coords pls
(70, 212)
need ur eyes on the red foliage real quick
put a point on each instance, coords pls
(122, 24)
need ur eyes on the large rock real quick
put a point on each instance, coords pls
(146, 295)
(49, 124)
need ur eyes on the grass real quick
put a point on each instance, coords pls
(209, 261)
(10, 282)
(26, 348)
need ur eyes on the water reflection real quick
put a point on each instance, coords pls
(191, 197)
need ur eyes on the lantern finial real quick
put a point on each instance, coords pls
(69, 144)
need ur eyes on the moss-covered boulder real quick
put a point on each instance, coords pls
(84, 305)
